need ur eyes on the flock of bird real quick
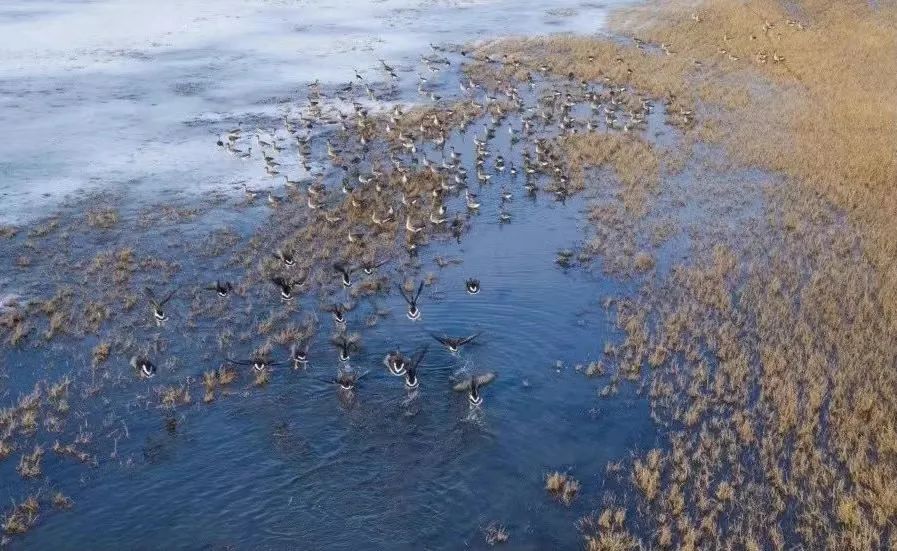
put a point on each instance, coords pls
(363, 212)
(347, 378)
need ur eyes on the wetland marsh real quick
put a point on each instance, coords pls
(640, 274)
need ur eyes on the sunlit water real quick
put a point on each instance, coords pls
(292, 465)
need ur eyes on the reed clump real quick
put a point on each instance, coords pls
(103, 218)
(562, 486)
(30, 463)
(495, 534)
(173, 396)
(22, 517)
(61, 501)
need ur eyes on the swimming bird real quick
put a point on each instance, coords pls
(471, 199)
(395, 362)
(285, 256)
(472, 386)
(338, 311)
(223, 288)
(144, 367)
(413, 310)
(347, 378)
(454, 344)
(369, 266)
(156, 305)
(286, 286)
(472, 285)
(346, 344)
(299, 355)
(345, 273)
(411, 381)
(259, 362)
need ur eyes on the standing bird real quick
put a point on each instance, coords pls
(413, 310)
(472, 385)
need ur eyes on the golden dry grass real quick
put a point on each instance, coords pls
(22, 517)
(775, 360)
(562, 486)
(634, 162)
(824, 114)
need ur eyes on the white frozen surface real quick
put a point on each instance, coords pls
(109, 93)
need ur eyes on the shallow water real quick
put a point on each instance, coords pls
(292, 465)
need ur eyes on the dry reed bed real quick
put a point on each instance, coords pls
(805, 89)
(773, 364)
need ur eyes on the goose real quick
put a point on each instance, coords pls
(411, 380)
(454, 344)
(223, 288)
(472, 386)
(471, 200)
(285, 256)
(346, 345)
(436, 216)
(338, 311)
(347, 378)
(345, 273)
(145, 368)
(286, 285)
(157, 305)
(411, 227)
(259, 362)
(369, 266)
(472, 285)
(413, 310)
(395, 363)
(299, 355)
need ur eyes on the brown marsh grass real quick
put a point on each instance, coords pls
(562, 486)
(804, 89)
(773, 352)
(22, 517)
(61, 501)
